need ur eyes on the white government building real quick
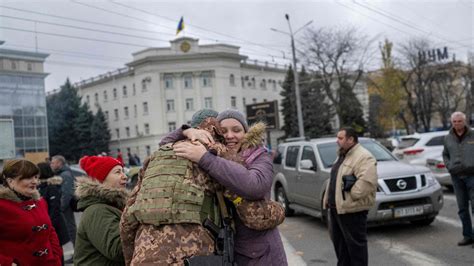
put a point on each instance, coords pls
(162, 87)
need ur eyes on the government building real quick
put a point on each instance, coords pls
(161, 88)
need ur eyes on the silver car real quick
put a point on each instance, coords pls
(404, 193)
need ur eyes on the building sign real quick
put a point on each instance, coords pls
(433, 55)
(266, 112)
(7, 139)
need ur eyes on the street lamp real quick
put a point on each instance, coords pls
(295, 73)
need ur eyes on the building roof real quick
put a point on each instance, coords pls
(25, 55)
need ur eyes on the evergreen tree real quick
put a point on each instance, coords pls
(63, 110)
(100, 133)
(350, 110)
(288, 105)
(83, 130)
(316, 109)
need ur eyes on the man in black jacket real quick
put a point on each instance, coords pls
(58, 164)
(458, 156)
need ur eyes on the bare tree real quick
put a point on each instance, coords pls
(451, 83)
(418, 83)
(338, 57)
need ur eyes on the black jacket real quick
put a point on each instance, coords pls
(458, 155)
(50, 190)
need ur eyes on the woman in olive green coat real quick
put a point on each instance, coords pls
(102, 196)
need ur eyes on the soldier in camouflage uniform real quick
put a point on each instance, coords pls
(179, 235)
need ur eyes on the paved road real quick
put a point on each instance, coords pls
(402, 244)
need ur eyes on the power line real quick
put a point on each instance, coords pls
(400, 20)
(72, 53)
(110, 25)
(149, 22)
(193, 25)
(74, 37)
(84, 28)
(83, 21)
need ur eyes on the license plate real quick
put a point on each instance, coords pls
(409, 211)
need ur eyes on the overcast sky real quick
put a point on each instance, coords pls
(118, 27)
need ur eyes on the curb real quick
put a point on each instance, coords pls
(291, 256)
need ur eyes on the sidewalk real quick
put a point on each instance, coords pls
(293, 258)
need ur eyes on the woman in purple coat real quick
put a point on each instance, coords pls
(252, 182)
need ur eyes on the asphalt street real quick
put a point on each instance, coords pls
(401, 244)
(307, 241)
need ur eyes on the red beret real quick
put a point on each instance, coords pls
(98, 167)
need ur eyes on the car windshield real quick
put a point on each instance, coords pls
(328, 152)
(407, 142)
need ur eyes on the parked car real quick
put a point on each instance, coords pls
(404, 193)
(436, 165)
(77, 170)
(416, 148)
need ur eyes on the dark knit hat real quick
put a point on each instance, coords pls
(232, 113)
(202, 114)
(98, 167)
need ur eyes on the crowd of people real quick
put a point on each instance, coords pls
(160, 222)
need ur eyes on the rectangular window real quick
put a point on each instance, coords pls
(127, 132)
(233, 101)
(171, 126)
(134, 90)
(168, 81)
(145, 108)
(208, 102)
(134, 110)
(96, 97)
(117, 132)
(125, 112)
(144, 88)
(206, 80)
(189, 104)
(107, 115)
(115, 93)
(188, 81)
(88, 99)
(136, 130)
(30, 67)
(124, 91)
(116, 116)
(170, 105)
(244, 102)
(147, 129)
(105, 96)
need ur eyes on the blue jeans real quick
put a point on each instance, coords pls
(464, 190)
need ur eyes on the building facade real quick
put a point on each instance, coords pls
(23, 99)
(162, 88)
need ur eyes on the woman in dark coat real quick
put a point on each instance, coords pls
(27, 236)
(50, 190)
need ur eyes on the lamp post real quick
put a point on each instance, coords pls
(299, 111)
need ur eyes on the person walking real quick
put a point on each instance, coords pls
(251, 182)
(458, 156)
(102, 197)
(350, 194)
(58, 164)
(27, 236)
(50, 189)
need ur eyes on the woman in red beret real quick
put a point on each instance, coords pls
(26, 234)
(102, 196)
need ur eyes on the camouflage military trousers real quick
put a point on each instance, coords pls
(170, 244)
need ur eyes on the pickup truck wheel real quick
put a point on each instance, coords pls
(283, 200)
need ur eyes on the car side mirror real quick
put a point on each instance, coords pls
(307, 165)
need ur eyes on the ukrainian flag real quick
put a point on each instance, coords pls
(180, 26)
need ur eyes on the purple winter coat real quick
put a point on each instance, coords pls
(252, 247)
